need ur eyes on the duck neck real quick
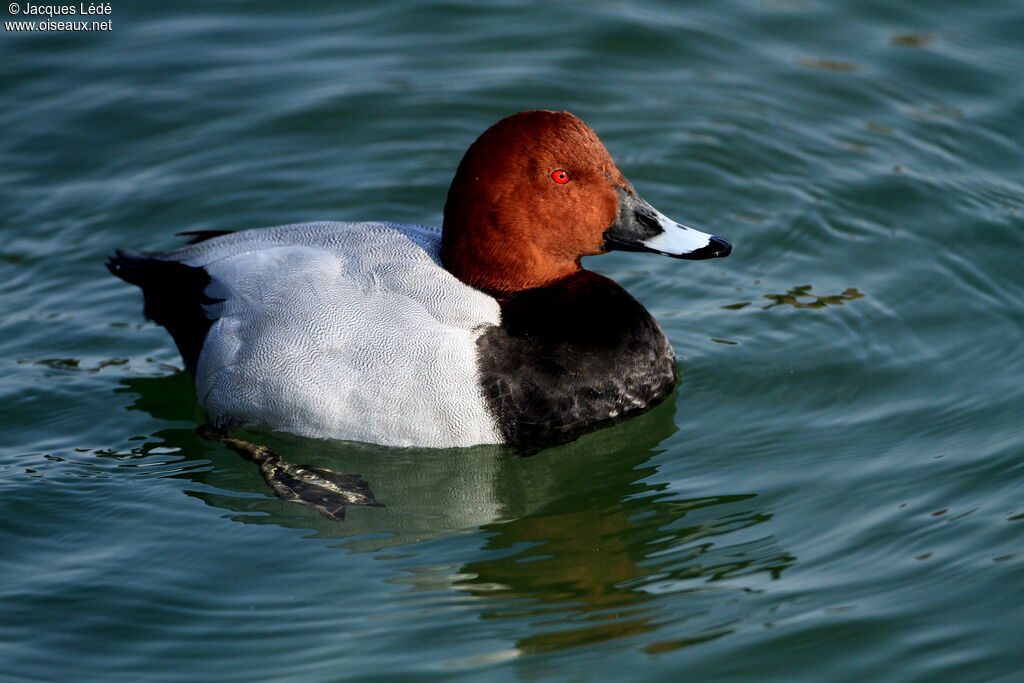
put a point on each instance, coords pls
(501, 266)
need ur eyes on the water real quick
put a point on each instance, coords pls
(834, 492)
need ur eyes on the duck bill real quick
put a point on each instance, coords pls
(641, 227)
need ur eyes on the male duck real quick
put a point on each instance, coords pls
(487, 331)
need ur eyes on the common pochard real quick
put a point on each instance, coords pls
(485, 331)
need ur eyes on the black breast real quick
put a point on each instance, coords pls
(571, 357)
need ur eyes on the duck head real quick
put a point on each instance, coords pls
(538, 191)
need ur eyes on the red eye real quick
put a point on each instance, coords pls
(561, 177)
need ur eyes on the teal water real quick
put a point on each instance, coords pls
(833, 494)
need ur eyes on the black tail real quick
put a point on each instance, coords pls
(174, 295)
(197, 236)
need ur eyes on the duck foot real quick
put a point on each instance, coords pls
(327, 492)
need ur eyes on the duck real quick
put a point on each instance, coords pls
(487, 330)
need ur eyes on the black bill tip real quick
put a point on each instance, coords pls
(715, 248)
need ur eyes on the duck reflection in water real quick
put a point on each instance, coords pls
(425, 491)
(584, 542)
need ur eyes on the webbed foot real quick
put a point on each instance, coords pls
(327, 492)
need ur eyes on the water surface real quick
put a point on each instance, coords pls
(833, 493)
